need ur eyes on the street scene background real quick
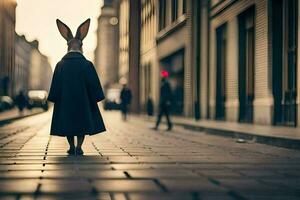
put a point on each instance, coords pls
(224, 73)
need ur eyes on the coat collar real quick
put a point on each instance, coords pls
(73, 54)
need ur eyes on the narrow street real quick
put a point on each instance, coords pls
(132, 161)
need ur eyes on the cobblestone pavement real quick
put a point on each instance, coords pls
(131, 161)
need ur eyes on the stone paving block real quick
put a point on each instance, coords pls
(20, 174)
(162, 196)
(91, 159)
(29, 158)
(57, 161)
(7, 162)
(101, 174)
(142, 154)
(291, 183)
(216, 197)
(7, 155)
(30, 154)
(28, 151)
(59, 166)
(193, 185)
(93, 166)
(87, 158)
(57, 154)
(117, 150)
(65, 187)
(154, 159)
(203, 166)
(8, 197)
(122, 160)
(114, 153)
(18, 186)
(213, 173)
(119, 196)
(291, 173)
(189, 159)
(25, 162)
(253, 187)
(159, 173)
(61, 159)
(58, 174)
(273, 197)
(130, 166)
(261, 173)
(166, 166)
(34, 148)
(37, 167)
(237, 166)
(65, 196)
(126, 186)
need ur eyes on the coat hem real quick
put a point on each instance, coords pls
(75, 134)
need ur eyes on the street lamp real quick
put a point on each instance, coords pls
(113, 21)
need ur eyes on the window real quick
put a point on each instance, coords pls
(162, 14)
(174, 10)
(183, 6)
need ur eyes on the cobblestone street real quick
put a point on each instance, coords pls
(132, 161)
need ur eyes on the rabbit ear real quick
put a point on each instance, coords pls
(83, 30)
(64, 30)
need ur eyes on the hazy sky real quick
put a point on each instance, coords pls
(36, 20)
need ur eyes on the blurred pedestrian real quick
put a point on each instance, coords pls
(75, 91)
(164, 103)
(125, 97)
(21, 101)
(149, 107)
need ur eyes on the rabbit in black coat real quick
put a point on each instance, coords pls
(75, 91)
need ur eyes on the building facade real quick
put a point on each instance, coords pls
(40, 71)
(129, 53)
(175, 52)
(23, 51)
(167, 45)
(148, 64)
(253, 66)
(107, 51)
(124, 39)
(232, 60)
(7, 50)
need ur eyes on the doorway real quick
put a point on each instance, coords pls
(174, 66)
(284, 57)
(221, 34)
(246, 65)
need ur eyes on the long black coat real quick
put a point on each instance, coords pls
(75, 91)
(165, 95)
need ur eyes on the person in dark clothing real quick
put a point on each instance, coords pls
(125, 97)
(164, 103)
(149, 107)
(21, 101)
(75, 91)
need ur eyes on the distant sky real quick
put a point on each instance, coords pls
(36, 20)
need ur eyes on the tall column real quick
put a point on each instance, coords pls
(134, 52)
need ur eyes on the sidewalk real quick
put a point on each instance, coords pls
(130, 161)
(288, 137)
(11, 115)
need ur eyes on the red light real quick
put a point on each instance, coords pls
(164, 74)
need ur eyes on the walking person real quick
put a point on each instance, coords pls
(21, 102)
(125, 97)
(149, 107)
(75, 91)
(164, 103)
